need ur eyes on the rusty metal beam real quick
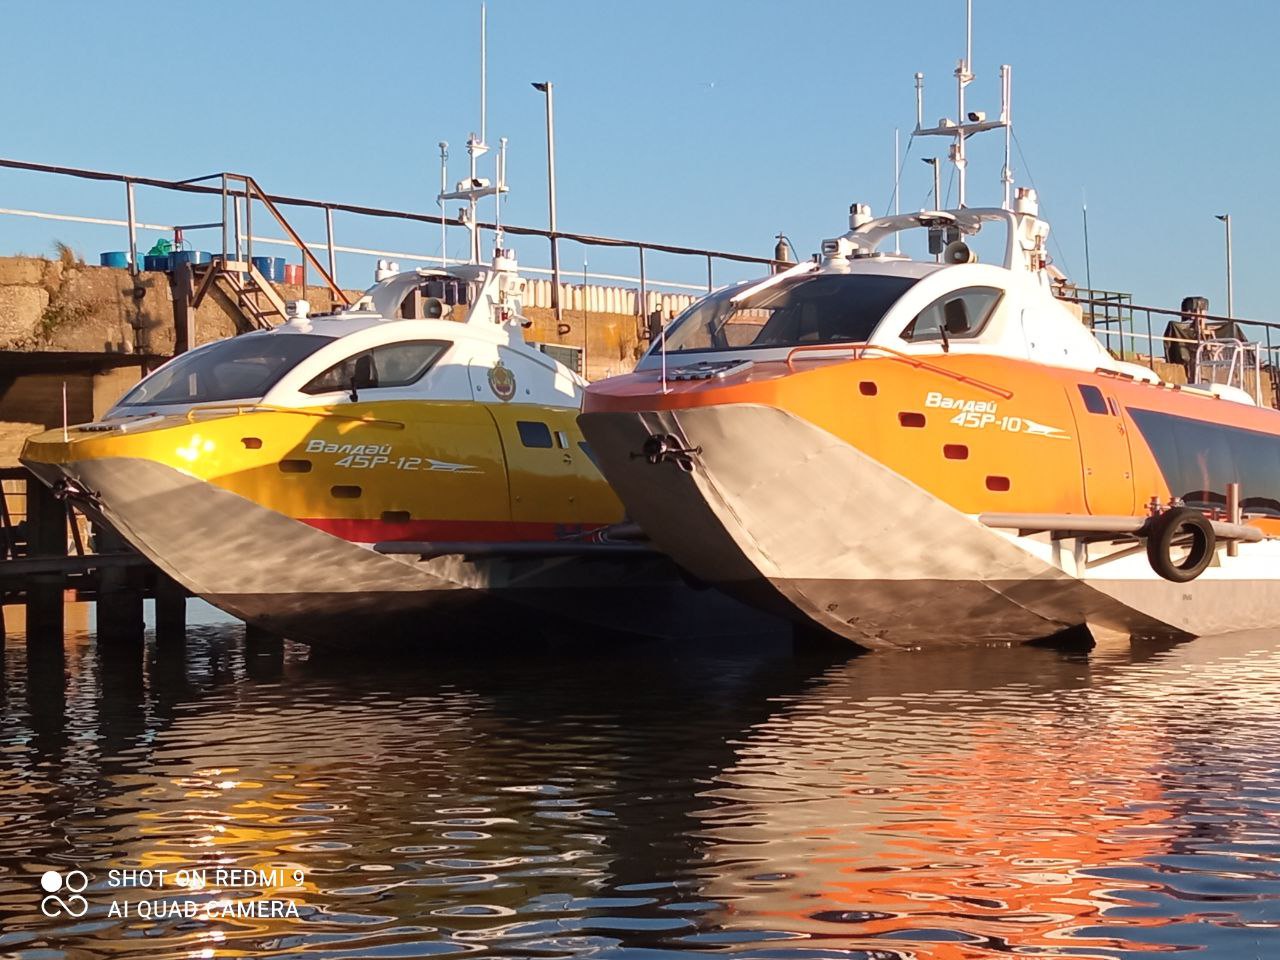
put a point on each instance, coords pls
(310, 257)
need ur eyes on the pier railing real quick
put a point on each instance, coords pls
(1131, 331)
(238, 192)
(1143, 335)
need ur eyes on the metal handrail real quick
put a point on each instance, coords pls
(282, 200)
(242, 408)
(341, 248)
(1233, 357)
(1164, 311)
(1117, 313)
(860, 350)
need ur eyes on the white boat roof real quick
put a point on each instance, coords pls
(492, 310)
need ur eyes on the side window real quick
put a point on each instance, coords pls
(962, 314)
(391, 365)
(534, 433)
(1093, 399)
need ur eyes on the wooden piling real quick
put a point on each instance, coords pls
(184, 318)
(46, 537)
(120, 615)
(263, 653)
(171, 609)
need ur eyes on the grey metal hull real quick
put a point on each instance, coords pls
(795, 520)
(292, 579)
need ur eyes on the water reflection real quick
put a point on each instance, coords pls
(646, 801)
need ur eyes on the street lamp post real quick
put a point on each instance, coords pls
(1226, 220)
(547, 89)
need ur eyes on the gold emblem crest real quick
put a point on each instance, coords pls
(502, 382)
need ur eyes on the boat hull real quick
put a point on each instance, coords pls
(290, 578)
(793, 519)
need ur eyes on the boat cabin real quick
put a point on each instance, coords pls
(858, 294)
(417, 335)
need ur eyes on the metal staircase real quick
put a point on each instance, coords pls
(254, 301)
(252, 297)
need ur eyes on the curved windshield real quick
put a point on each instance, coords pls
(240, 368)
(804, 309)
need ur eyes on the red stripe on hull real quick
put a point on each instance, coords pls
(479, 531)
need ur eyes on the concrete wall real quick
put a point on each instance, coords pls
(32, 389)
(70, 306)
(64, 305)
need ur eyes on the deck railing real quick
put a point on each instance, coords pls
(1141, 334)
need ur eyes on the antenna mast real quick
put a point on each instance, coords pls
(444, 186)
(497, 195)
(1006, 118)
(969, 122)
(474, 187)
(897, 184)
(964, 77)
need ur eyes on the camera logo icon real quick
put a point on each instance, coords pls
(63, 893)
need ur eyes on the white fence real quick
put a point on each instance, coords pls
(599, 299)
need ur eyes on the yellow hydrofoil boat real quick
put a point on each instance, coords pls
(340, 477)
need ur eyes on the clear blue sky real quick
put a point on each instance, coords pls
(717, 123)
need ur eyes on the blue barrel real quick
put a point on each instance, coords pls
(114, 258)
(272, 268)
(189, 256)
(157, 262)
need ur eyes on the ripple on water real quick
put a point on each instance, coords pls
(969, 804)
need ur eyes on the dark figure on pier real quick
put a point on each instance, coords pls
(1196, 333)
(1182, 337)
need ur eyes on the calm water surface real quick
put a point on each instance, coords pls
(641, 803)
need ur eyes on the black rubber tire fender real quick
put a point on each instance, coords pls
(1175, 524)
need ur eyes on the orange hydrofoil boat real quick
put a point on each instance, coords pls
(918, 452)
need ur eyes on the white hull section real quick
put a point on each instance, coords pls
(786, 515)
(288, 577)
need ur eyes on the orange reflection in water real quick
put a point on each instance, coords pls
(951, 837)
